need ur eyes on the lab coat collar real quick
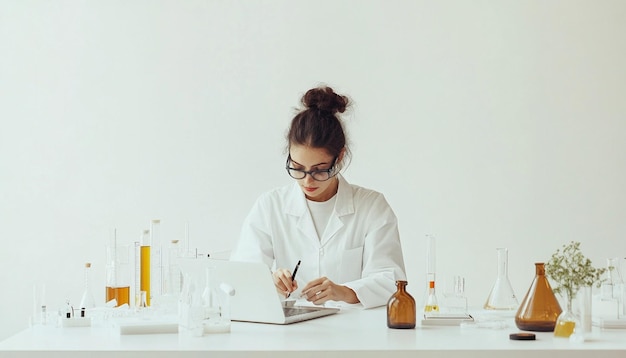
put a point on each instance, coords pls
(297, 206)
(344, 205)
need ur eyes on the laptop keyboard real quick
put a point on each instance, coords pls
(292, 311)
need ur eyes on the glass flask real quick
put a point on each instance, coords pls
(502, 296)
(87, 300)
(401, 308)
(539, 309)
(567, 322)
(431, 304)
(431, 299)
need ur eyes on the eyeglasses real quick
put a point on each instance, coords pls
(318, 175)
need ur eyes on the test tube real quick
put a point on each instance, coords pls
(144, 259)
(137, 286)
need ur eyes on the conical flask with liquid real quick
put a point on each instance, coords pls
(540, 308)
(502, 296)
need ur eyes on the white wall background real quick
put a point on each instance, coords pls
(486, 123)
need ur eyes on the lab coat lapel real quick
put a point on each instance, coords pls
(343, 206)
(296, 206)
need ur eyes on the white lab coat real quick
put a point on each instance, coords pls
(359, 249)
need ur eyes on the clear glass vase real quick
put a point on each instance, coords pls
(567, 322)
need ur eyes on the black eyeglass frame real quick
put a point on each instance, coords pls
(330, 171)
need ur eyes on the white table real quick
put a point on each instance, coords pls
(350, 332)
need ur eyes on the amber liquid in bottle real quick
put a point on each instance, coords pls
(401, 308)
(539, 309)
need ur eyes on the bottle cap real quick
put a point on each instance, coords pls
(522, 336)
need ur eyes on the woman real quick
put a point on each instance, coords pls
(346, 237)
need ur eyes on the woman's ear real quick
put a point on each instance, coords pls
(341, 154)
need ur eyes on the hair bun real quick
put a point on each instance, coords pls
(325, 99)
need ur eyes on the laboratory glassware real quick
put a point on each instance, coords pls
(156, 260)
(118, 272)
(173, 275)
(401, 312)
(613, 286)
(454, 297)
(87, 300)
(137, 275)
(502, 296)
(40, 308)
(431, 304)
(214, 320)
(190, 308)
(144, 261)
(539, 309)
(567, 322)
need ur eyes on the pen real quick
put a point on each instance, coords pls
(293, 275)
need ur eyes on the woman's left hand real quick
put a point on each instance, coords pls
(322, 289)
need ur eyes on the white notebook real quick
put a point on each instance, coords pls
(255, 299)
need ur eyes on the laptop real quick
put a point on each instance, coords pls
(255, 298)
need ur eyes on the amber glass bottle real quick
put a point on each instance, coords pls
(540, 309)
(401, 308)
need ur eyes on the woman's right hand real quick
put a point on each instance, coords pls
(282, 281)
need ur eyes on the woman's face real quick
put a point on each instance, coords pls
(308, 158)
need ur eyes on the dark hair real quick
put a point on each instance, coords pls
(318, 124)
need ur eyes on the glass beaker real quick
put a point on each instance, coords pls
(118, 274)
(502, 296)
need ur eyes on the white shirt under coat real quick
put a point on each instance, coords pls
(360, 247)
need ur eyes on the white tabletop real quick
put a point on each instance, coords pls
(351, 330)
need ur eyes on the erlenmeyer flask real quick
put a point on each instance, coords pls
(540, 308)
(502, 296)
